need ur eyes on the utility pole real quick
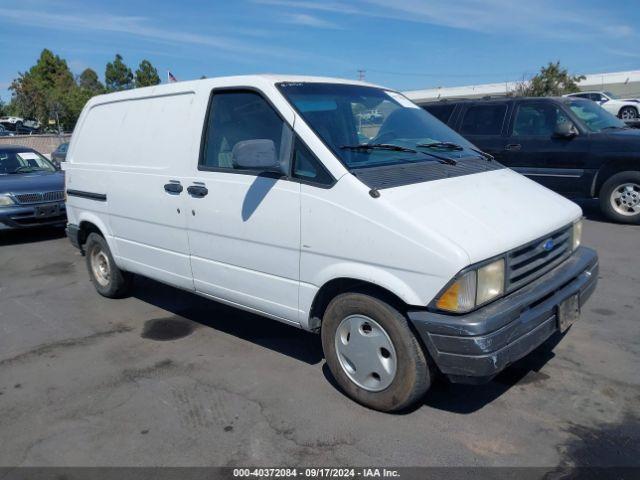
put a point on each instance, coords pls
(361, 74)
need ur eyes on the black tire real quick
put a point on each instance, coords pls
(412, 378)
(118, 282)
(628, 113)
(611, 185)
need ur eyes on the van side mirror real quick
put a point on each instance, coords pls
(565, 130)
(258, 154)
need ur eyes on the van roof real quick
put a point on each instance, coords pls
(230, 81)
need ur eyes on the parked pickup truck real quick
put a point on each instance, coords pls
(570, 145)
(410, 251)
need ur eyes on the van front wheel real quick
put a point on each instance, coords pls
(109, 280)
(372, 353)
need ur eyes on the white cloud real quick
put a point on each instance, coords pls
(135, 26)
(307, 20)
(542, 18)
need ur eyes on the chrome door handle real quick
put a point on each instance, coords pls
(513, 146)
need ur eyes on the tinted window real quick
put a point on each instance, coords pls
(307, 167)
(441, 112)
(596, 97)
(538, 119)
(483, 119)
(235, 117)
(593, 116)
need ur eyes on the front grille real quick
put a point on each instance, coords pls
(27, 198)
(534, 259)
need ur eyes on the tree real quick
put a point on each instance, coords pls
(553, 80)
(3, 108)
(88, 81)
(43, 91)
(146, 74)
(117, 75)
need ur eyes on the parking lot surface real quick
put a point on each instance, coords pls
(168, 378)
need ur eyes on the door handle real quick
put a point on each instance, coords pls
(197, 191)
(173, 187)
(513, 146)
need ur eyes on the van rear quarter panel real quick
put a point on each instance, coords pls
(127, 149)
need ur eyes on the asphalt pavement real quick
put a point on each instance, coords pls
(165, 377)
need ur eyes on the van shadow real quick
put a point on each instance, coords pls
(30, 235)
(306, 347)
(465, 399)
(285, 339)
(256, 193)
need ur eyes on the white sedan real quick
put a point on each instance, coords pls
(624, 108)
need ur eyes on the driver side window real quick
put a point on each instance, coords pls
(539, 119)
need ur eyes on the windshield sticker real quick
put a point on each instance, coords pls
(29, 156)
(401, 99)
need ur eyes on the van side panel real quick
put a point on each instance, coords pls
(143, 144)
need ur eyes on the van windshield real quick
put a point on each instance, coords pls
(368, 127)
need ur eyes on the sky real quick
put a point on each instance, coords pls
(403, 44)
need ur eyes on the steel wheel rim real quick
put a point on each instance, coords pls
(628, 114)
(625, 199)
(365, 352)
(100, 267)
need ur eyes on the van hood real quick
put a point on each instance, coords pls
(485, 214)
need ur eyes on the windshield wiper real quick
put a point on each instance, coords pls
(378, 146)
(486, 155)
(445, 145)
(26, 169)
(396, 148)
(616, 127)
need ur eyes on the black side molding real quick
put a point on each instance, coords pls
(100, 197)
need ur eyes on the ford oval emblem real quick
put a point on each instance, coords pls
(548, 245)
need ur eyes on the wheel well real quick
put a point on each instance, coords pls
(85, 229)
(337, 286)
(610, 169)
(628, 106)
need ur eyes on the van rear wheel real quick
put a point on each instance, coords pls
(107, 278)
(373, 354)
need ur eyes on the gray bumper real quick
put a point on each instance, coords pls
(73, 233)
(476, 346)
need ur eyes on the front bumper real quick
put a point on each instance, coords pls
(475, 347)
(24, 216)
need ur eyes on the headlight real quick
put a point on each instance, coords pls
(473, 288)
(577, 234)
(6, 200)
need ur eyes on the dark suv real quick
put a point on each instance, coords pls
(569, 145)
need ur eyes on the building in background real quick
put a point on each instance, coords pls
(622, 84)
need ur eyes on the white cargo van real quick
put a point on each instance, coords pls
(334, 206)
